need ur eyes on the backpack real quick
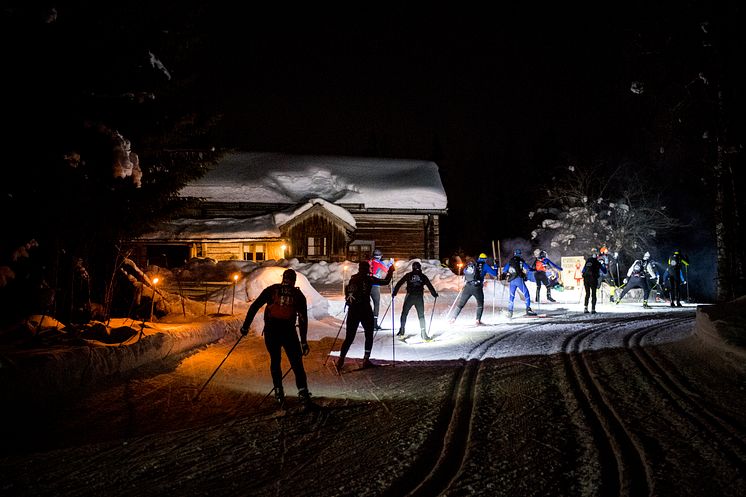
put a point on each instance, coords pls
(355, 291)
(515, 269)
(378, 268)
(415, 283)
(590, 271)
(282, 305)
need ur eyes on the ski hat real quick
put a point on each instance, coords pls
(363, 267)
(646, 256)
(603, 249)
(537, 253)
(377, 253)
(542, 254)
(288, 277)
(482, 257)
(517, 252)
(416, 267)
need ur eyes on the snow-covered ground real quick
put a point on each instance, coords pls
(568, 404)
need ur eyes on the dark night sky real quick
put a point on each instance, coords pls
(499, 99)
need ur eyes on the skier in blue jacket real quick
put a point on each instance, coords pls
(516, 272)
(473, 286)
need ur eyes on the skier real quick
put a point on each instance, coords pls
(416, 281)
(540, 266)
(637, 277)
(473, 286)
(676, 264)
(591, 275)
(357, 296)
(605, 275)
(378, 268)
(285, 303)
(515, 272)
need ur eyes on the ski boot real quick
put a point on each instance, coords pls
(593, 310)
(423, 335)
(305, 400)
(366, 361)
(280, 397)
(550, 299)
(340, 364)
(478, 322)
(510, 314)
(645, 305)
(530, 312)
(401, 332)
(673, 304)
(678, 304)
(376, 326)
(585, 310)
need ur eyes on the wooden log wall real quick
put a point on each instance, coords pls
(401, 236)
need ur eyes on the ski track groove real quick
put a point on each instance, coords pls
(729, 437)
(621, 456)
(453, 432)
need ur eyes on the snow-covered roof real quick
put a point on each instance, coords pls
(283, 217)
(292, 179)
(221, 228)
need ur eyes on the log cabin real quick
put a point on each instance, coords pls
(262, 206)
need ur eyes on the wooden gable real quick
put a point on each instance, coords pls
(317, 234)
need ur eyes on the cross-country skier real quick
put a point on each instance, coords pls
(637, 277)
(416, 282)
(591, 274)
(605, 276)
(285, 303)
(378, 268)
(540, 266)
(676, 278)
(515, 271)
(357, 295)
(473, 286)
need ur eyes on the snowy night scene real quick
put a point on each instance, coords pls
(387, 250)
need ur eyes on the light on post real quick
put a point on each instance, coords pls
(152, 301)
(235, 280)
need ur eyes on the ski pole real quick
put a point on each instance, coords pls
(393, 338)
(430, 326)
(273, 389)
(686, 272)
(336, 337)
(448, 314)
(378, 325)
(216, 369)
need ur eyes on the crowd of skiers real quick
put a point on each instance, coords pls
(286, 305)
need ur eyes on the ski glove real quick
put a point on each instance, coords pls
(244, 331)
(305, 348)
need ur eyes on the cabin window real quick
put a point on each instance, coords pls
(253, 252)
(360, 250)
(316, 245)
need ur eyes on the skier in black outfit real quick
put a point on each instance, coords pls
(637, 277)
(285, 303)
(676, 264)
(473, 286)
(359, 311)
(416, 282)
(591, 274)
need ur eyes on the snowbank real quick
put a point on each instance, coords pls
(318, 306)
(723, 325)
